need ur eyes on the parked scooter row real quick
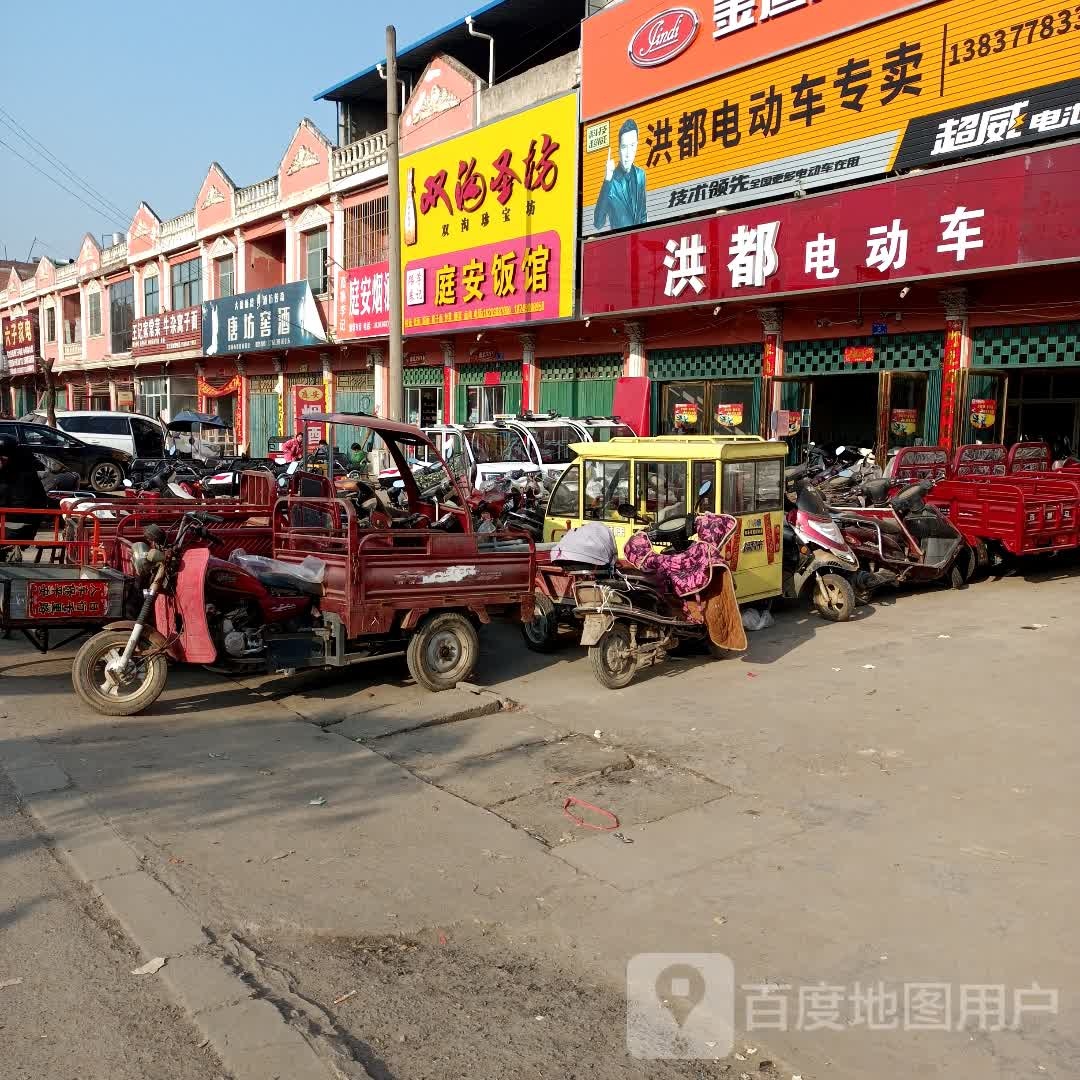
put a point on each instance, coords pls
(896, 540)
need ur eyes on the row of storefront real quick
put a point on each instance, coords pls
(1019, 381)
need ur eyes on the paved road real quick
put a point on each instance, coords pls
(78, 1013)
(878, 808)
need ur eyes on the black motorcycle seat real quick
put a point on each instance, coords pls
(274, 579)
(877, 491)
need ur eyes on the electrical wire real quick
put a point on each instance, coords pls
(48, 176)
(12, 124)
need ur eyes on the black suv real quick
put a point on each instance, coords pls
(98, 467)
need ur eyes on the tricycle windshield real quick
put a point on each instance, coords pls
(554, 443)
(491, 446)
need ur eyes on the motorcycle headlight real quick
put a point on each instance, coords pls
(140, 558)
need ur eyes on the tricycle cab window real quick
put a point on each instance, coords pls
(660, 489)
(752, 487)
(607, 486)
(565, 500)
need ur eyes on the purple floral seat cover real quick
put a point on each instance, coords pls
(685, 572)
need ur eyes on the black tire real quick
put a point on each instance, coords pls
(956, 579)
(838, 604)
(443, 651)
(612, 660)
(541, 632)
(106, 477)
(980, 560)
(88, 679)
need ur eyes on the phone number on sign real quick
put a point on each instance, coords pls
(996, 41)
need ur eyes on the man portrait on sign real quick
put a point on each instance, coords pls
(622, 195)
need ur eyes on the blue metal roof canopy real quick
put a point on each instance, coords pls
(526, 32)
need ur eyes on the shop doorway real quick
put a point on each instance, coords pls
(831, 411)
(424, 405)
(1043, 406)
(883, 410)
(221, 440)
(709, 407)
(484, 403)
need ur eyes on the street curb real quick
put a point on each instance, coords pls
(247, 1032)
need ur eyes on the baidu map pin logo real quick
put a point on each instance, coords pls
(680, 1005)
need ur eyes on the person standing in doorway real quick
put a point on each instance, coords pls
(621, 203)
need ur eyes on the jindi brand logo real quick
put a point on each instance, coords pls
(663, 37)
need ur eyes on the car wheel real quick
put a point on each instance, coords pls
(106, 476)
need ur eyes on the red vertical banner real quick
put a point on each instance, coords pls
(768, 356)
(239, 419)
(448, 413)
(950, 376)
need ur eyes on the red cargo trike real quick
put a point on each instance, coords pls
(350, 579)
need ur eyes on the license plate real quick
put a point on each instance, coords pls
(67, 599)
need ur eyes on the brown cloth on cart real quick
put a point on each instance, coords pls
(721, 612)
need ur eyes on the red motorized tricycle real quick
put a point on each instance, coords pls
(350, 579)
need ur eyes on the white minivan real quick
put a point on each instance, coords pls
(139, 436)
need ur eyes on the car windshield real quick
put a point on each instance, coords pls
(554, 443)
(493, 445)
(612, 431)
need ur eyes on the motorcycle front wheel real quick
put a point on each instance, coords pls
(834, 598)
(612, 658)
(127, 698)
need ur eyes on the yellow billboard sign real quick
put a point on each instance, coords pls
(489, 223)
(931, 86)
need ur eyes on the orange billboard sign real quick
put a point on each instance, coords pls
(639, 49)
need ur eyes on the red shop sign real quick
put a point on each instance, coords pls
(167, 332)
(1017, 211)
(21, 343)
(859, 354)
(363, 302)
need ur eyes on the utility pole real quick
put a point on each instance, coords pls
(395, 393)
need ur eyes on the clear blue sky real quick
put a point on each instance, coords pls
(138, 99)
